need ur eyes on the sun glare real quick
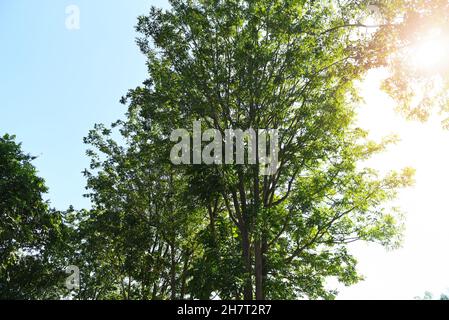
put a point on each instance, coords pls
(430, 52)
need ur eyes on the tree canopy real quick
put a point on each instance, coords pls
(29, 230)
(287, 65)
(157, 230)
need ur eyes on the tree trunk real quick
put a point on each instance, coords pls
(184, 275)
(173, 273)
(258, 250)
(259, 269)
(264, 264)
(246, 255)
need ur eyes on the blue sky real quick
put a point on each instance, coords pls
(55, 83)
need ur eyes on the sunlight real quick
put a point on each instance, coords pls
(420, 147)
(430, 52)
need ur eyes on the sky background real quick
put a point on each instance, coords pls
(55, 84)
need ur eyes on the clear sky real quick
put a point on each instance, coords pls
(55, 84)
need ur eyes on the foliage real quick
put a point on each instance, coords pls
(161, 231)
(288, 65)
(29, 230)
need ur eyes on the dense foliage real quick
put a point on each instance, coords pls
(29, 230)
(163, 231)
(225, 230)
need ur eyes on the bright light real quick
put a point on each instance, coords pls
(430, 52)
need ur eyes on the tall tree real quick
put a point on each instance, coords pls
(285, 65)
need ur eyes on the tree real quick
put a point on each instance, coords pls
(138, 241)
(429, 296)
(285, 65)
(29, 230)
